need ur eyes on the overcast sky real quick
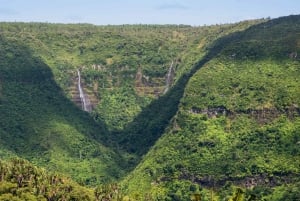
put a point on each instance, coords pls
(103, 12)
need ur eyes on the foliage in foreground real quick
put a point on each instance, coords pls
(19, 180)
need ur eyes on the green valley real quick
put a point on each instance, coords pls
(178, 112)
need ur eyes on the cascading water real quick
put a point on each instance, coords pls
(85, 102)
(169, 78)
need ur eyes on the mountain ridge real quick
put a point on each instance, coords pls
(226, 128)
(205, 151)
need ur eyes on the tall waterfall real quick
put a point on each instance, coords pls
(85, 102)
(169, 78)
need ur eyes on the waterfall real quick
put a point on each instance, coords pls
(169, 78)
(85, 102)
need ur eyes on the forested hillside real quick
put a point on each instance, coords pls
(40, 124)
(236, 133)
(177, 112)
(123, 68)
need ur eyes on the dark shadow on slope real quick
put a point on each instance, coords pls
(20, 68)
(34, 112)
(150, 124)
(275, 39)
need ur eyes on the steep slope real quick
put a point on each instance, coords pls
(236, 134)
(123, 68)
(40, 124)
(146, 128)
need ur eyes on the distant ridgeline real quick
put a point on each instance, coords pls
(167, 112)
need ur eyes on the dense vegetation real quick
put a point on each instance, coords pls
(236, 132)
(123, 67)
(40, 124)
(20, 181)
(198, 113)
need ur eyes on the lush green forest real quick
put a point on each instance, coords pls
(236, 133)
(178, 112)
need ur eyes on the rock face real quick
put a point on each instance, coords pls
(146, 86)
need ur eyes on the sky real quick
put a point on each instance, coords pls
(104, 12)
